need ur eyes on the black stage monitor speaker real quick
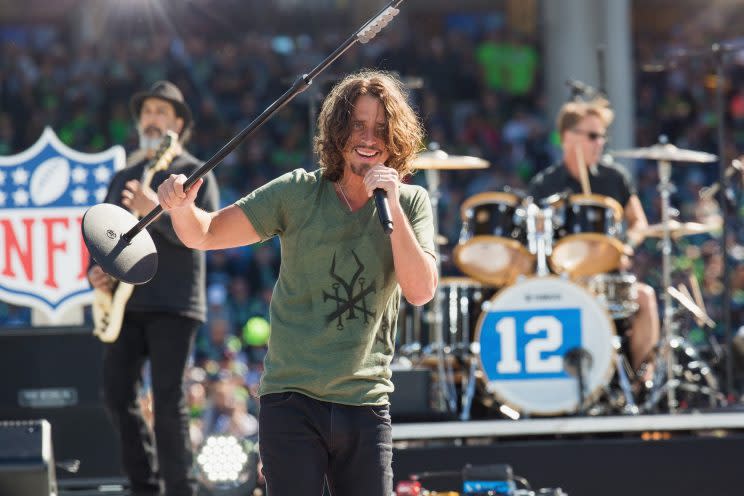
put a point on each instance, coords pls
(411, 398)
(55, 374)
(26, 459)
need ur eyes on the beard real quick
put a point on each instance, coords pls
(150, 138)
(360, 169)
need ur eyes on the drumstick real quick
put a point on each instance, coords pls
(699, 314)
(683, 289)
(695, 285)
(583, 176)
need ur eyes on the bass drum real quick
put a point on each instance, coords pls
(523, 335)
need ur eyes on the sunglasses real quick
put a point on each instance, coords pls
(592, 135)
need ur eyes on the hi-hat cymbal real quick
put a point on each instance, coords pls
(666, 152)
(676, 229)
(439, 159)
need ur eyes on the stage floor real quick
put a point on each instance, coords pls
(565, 426)
(646, 455)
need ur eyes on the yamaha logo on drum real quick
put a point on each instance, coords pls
(543, 297)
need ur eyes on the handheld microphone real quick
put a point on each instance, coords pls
(383, 210)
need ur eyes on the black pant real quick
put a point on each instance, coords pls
(166, 339)
(303, 440)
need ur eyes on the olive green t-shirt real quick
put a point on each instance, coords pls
(335, 304)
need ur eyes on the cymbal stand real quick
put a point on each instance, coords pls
(666, 188)
(447, 395)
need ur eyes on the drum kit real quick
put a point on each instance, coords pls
(533, 327)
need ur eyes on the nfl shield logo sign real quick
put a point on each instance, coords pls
(44, 192)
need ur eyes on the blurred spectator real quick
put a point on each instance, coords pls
(227, 413)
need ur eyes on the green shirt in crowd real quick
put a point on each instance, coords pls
(335, 304)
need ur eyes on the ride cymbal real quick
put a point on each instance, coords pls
(676, 229)
(439, 159)
(666, 152)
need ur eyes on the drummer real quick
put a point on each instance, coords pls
(582, 127)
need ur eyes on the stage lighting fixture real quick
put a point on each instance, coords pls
(226, 463)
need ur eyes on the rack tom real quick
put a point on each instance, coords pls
(587, 229)
(493, 240)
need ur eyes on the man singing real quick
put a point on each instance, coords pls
(324, 393)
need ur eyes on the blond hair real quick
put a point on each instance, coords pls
(572, 113)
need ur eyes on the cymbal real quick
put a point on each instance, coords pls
(676, 229)
(666, 152)
(439, 159)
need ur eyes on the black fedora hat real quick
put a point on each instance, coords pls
(164, 90)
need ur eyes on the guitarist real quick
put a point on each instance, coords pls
(162, 316)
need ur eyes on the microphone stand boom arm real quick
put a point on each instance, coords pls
(135, 260)
(366, 33)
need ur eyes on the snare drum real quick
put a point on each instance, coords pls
(616, 292)
(460, 301)
(493, 241)
(586, 233)
(523, 335)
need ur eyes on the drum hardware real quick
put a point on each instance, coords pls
(666, 153)
(576, 361)
(629, 405)
(432, 161)
(540, 235)
(468, 388)
(692, 377)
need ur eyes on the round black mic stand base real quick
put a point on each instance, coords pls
(135, 260)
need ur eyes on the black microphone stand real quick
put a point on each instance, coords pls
(719, 54)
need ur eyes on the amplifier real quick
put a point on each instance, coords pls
(26, 458)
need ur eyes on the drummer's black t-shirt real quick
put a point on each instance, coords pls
(611, 180)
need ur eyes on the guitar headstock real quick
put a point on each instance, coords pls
(166, 151)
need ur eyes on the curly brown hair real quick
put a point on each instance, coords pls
(405, 133)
